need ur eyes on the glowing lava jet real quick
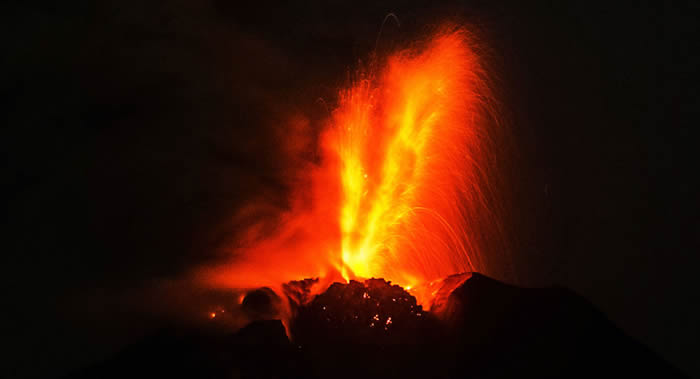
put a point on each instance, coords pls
(403, 190)
(409, 145)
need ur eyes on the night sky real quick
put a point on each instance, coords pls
(133, 131)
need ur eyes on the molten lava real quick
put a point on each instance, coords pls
(374, 312)
(402, 192)
(408, 146)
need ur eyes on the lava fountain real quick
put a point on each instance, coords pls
(403, 191)
(408, 143)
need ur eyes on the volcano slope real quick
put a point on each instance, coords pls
(481, 328)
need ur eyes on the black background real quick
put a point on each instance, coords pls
(133, 131)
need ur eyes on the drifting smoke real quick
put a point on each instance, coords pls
(404, 189)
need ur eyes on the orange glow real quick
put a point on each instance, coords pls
(405, 141)
(402, 190)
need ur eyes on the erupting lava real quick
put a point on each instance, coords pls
(408, 147)
(402, 192)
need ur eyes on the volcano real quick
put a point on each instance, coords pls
(390, 229)
(481, 328)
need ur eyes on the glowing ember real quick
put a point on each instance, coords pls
(402, 192)
(373, 312)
